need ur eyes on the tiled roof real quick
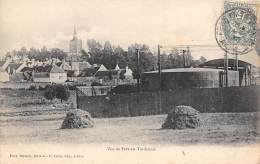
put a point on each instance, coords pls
(103, 73)
(102, 68)
(56, 69)
(13, 67)
(25, 69)
(122, 72)
(114, 72)
(220, 63)
(59, 64)
(187, 70)
(2, 63)
(88, 72)
(48, 69)
(41, 75)
(83, 65)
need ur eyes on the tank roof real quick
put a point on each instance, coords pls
(187, 70)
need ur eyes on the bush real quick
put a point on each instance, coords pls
(96, 84)
(32, 87)
(50, 93)
(56, 91)
(41, 88)
(62, 92)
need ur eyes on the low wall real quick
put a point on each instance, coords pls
(21, 85)
(236, 99)
(17, 97)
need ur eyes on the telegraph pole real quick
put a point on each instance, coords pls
(138, 68)
(183, 56)
(160, 78)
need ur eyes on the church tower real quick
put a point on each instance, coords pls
(75, 46)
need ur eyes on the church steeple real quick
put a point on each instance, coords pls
(75, 32)
(75, 37)
(75, 45)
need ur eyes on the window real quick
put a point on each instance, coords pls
(102, 91)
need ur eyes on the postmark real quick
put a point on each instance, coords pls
(235, 31)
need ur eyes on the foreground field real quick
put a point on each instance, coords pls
(42, 125)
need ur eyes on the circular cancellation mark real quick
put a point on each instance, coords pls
(235, 31)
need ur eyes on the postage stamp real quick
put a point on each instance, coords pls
(235, 31)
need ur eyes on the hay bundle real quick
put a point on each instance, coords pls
(182, 117)
(77, 118)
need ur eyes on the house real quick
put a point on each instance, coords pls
(13, 68)
(83, 65)
(4, 77)
(114, 76)
(27, 73)
(79, 66)
(128, 73)
(71, 75)
(49, 73)
(64, 65)
(14, 71)
(87, 75)
(103, 75)
(5, 63)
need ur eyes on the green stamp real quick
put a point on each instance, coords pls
(235, 31)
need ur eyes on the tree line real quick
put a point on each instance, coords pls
(41, 54)
(111, 55)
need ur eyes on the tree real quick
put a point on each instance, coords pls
(22, 53)
(62, 92)
(84, 56)
(95, 51)
(121, 57)
(147, 59)
(108, 55)
(8, 55)
(49, 93)
(58, 53)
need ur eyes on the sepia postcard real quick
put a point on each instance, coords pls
(129, 81)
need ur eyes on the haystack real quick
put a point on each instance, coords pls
(77, 118)
(181, 117)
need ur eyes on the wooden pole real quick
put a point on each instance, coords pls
(159, 64)
(160, 79)
(137, 69)
(226, 60)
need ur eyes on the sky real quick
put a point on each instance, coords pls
(38, 23)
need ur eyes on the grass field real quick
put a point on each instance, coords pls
(41, 124)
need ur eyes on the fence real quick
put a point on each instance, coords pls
(94, 90)
(236, 99)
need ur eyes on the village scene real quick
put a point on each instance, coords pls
(101, 92)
